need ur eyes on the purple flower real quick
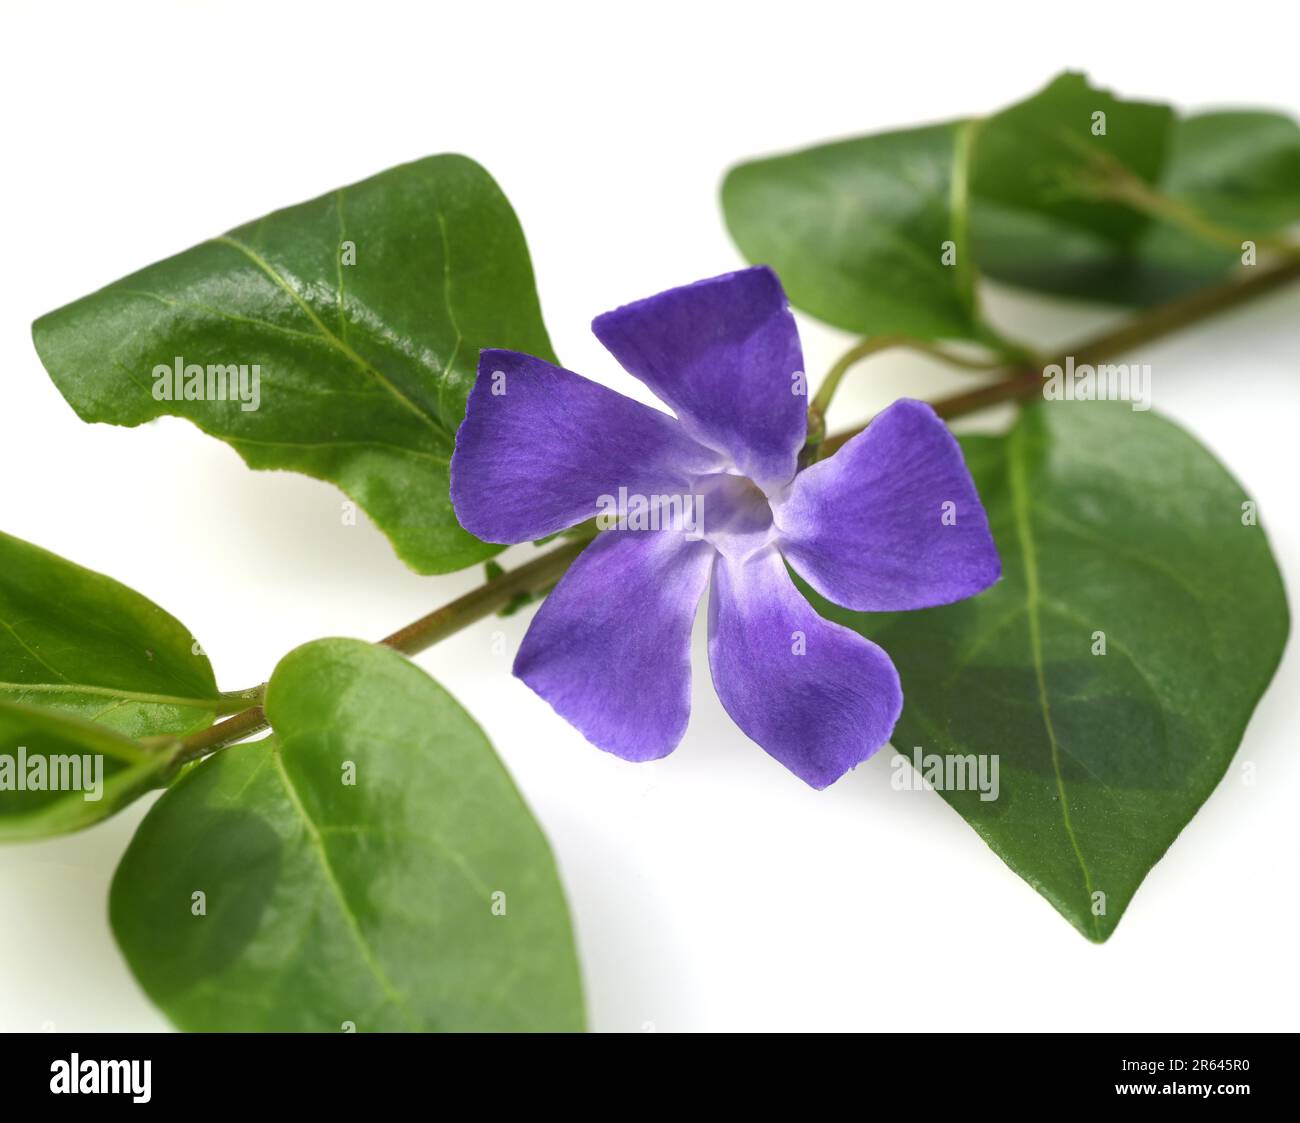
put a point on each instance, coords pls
(892, 521)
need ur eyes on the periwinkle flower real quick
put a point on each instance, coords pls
(891, 522)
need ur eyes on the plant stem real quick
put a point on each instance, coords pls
(1159, 321)
(1135, 192)
(542, 572)
(864, 349)
(533, 577)
(877, 343)
(220, 735)
(236, 701)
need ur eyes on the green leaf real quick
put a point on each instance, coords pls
(59, 773)
(1108, 521)
(369, 903)
(80, 642)
(1033, 252)
(1038, 176)
(1239, 170)
(856, 230)
(1047, 156)
(364, 311)
(852, 226)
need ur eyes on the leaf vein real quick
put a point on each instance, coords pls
(1020, 504)
(325, 333)
(331, 879)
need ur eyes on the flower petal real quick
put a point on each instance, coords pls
(892, 521)
(816, 696)
(723, 354)
(610, 647)
(540, 445)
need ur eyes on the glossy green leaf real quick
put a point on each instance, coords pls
(59, 773)
(80, 642)
(421, 896)
(857, 229)
(1113, 525)
(1053, 154)
(851, 226)
(363, 311)
(1239, 170)
(1034, 252)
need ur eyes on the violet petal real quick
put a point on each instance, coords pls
(892, 521)
(724, 354)
(540, 445)
(816, 696)
(609, 648)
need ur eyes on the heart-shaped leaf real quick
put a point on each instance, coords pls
(338, 338)
(1113, 669)
(82, 643)
(867, 234)
(59, 773)
(370, 866)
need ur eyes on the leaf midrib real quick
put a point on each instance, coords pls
(336, 889)
(1019, 494)
(66, 687)
(100, 625)
(328, 336)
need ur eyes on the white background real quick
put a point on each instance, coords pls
(711, 890)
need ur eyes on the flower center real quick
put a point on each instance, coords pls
(735, 516)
